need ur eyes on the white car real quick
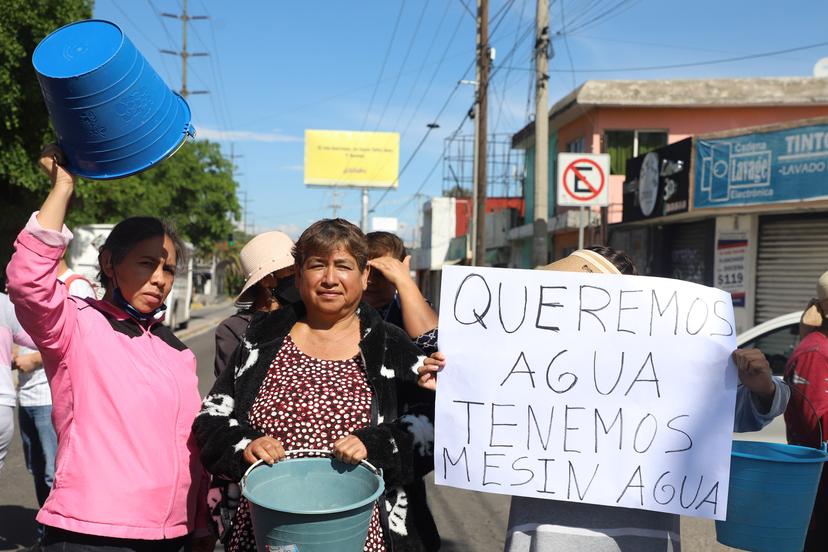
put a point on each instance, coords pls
(777, 338)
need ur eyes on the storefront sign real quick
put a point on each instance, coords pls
(762, 167)
(657, 184)
(568, 386)
(731, 249)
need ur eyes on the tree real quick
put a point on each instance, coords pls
(25, 124)
(458, 191)
(194, 189)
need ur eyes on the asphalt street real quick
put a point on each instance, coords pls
(468, 521)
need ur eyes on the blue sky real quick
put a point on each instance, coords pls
(277, 68)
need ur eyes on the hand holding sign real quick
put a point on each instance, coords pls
(427, 373)
(755, 374)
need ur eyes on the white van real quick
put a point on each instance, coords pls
(83, 259)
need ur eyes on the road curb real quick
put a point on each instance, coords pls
(205, 324)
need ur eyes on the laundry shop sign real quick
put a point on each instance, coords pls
(773, 166)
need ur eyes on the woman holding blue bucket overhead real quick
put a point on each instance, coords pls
(327, 373)
(124, 388)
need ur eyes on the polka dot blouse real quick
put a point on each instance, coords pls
(308, 402)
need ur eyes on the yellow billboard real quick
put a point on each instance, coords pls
(358, 159)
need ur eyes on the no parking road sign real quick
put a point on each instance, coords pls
(583, 179)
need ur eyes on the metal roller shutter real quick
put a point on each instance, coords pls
(792, 255)
(691, 257)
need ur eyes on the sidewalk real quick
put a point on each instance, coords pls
(206, 318)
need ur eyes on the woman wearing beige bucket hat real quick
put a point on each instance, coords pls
(807, 371)
(267, 265)
(546, 525)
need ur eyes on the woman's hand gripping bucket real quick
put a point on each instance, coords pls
(311, 504)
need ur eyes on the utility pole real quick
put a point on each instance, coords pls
(363, 221)
(334, 205)
(479, 207)
(540, 253)
(184, 54)
(233, 156)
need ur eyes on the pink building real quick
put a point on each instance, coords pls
(630, 118)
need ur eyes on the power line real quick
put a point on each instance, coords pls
(451, 95)
(506, 78)
(423, 139)
(422, 65)
(436, 164)
(468, 10)
(613, 11)
(216, 68)
(402, 65)
(690, 64)
(454, 35)
(138, 29)
(184, 54)
(382, 68)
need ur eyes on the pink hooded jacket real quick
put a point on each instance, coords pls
(124, 400)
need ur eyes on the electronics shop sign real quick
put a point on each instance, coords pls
(768, 167)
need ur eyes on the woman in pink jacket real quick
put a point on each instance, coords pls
(124, 388)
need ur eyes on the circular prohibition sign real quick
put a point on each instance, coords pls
(592, 190)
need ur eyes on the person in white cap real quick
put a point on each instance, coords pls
(807, 372)
(267, 265)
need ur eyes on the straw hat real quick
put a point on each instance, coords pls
(812, 317)
(264, 254)
(583, 260)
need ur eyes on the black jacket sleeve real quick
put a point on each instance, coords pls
(403, 447)
(221, 432)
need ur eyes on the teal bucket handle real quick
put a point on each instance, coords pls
(329, 453)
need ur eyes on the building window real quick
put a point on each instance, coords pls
(575, 146)
(626, 144)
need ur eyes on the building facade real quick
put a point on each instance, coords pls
(744, 210)
(630, 118)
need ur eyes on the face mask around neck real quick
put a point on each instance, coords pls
(123, 304)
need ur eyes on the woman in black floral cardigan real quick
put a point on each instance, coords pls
(328, 373)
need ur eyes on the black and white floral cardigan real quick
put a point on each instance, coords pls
(400, 439)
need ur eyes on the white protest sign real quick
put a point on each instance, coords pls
(582, 387)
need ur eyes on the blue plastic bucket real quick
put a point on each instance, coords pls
(114, 116)
(772, 491)
(311, 504)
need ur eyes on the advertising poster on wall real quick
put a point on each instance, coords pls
(731, 249)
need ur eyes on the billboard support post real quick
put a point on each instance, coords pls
(364, 220)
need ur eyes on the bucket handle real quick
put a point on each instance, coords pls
(792, 387)
(306, 451)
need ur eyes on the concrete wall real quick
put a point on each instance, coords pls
(439, 224)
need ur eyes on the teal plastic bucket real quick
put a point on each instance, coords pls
(113, 114)
(311, 504)
(772, 491)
